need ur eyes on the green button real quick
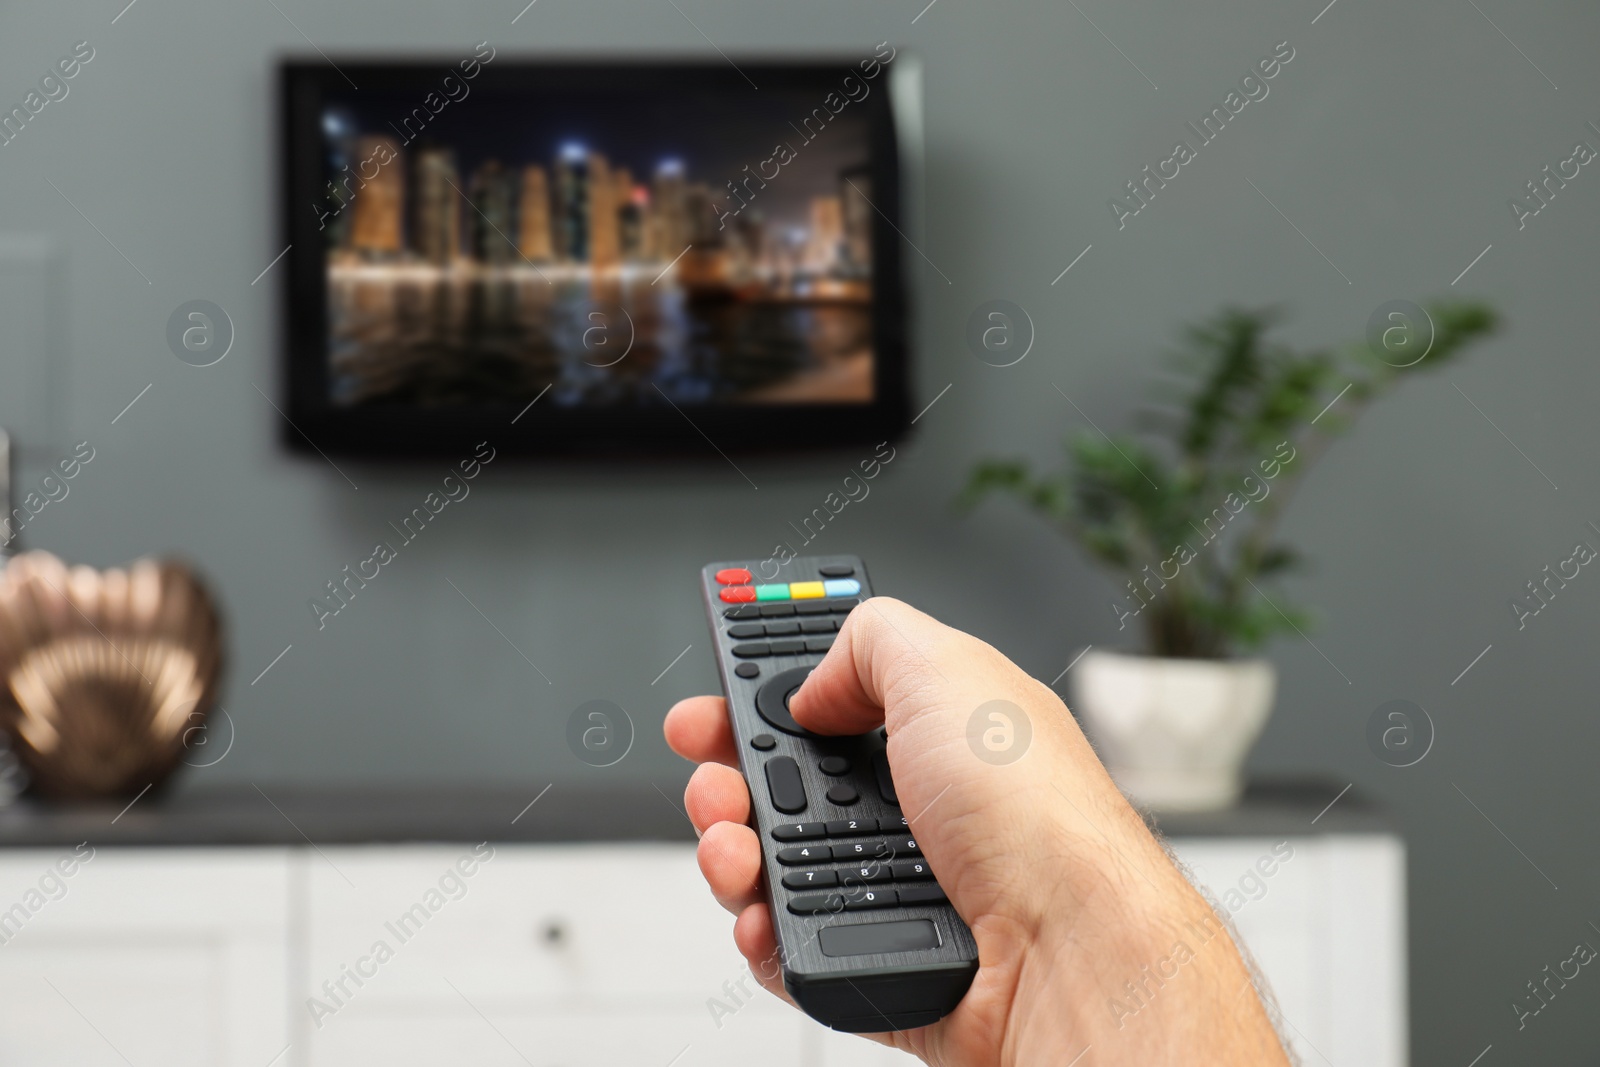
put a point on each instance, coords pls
(773, 592)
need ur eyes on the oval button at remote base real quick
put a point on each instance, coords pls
(788, 792)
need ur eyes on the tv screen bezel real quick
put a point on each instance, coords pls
(316, 425)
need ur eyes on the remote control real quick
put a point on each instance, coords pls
(867, 939)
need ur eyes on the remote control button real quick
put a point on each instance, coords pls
(747, 670)
(871, 874)
(880, 767)
(763, 742)
(843, 795)
(904, 845)
(836, 570)
(862, 899)
(804, 855)
(806, 590)
(812, 607)
(798, 831)
(788, 647)
(744, 611)
(931, 893)
(772, 700)
(859, 850)
(737, 594)
(783, 783)
(772, 592)
(872, 939)
(842, 587)
(816, 903)
(848, 827)
(781, 629)
(816, 626)
(733, 576)
(833, 766)
(746, 629)
(770, 610)
(911, 872)
(894, 824)
(842, 607)
(751, 650)
(819, 644)
(810, 879)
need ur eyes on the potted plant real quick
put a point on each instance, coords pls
(1186, 517)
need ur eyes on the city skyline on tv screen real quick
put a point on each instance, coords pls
(608, 247)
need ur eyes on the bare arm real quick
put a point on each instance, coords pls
(1089, 937)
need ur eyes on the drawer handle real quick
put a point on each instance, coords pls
(554, 933)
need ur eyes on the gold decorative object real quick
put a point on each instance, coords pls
(106, 673)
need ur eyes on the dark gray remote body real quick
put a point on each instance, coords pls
(866, 938)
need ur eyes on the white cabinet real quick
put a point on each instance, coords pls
(1327, 929)
(555, 955)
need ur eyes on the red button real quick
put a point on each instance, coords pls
(738, 594)
(733, 576)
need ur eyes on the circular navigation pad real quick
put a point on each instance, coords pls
(772, 700)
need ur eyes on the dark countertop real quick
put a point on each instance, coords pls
(285, 815)
(565, 813)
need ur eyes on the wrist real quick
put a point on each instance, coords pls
(1112, 943)
(1131, 959)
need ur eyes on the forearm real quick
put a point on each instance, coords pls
(1132, 962)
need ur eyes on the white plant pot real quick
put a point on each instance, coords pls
(1174, 733)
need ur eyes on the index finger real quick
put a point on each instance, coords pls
(698, 729)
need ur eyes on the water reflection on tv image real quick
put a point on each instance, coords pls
(607, 249)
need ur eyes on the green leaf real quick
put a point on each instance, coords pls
(993, 476)
(1234, 396)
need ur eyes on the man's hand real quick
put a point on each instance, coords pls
(1075, 906)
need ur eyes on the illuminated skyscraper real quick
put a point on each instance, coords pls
(572, 203)
(604, 248)
(855, 186)
(437, 226)
(827, 234)
(700, 217)
(670, 214)
(627, 213)
(748, 236)
(492, 194)
(533, 215)
(622, 178)
(378, 201)
(633, 224)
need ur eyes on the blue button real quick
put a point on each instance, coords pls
(841, 587)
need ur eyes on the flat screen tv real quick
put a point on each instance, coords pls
(590, 257)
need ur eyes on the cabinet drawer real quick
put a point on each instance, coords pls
(120, 889)
(531, 925)
(169, 956)
(82, 1005)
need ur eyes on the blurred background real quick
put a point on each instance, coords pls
(1393, 141)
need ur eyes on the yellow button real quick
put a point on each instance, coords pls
(805, 590)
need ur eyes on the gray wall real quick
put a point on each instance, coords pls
(1392, 141)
